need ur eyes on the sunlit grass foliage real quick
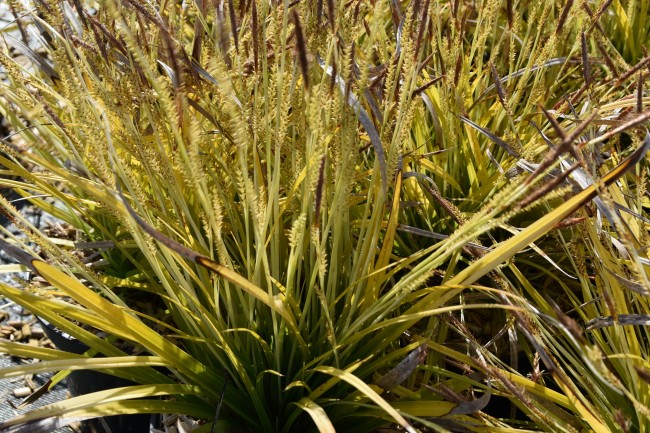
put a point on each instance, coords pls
(321, 216)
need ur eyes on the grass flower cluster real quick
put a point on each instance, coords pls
(336, 216)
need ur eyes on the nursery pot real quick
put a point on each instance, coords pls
(82, 382)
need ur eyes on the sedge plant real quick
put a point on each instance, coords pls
(354, 215)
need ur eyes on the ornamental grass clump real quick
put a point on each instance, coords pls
(349, 216)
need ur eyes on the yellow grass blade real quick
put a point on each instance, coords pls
(425, 408)
(123, 324)
(35, 352)
(317, 414)
(83, 363)
(542, 226)
(376, 280)
(591, 418)
(624, 23)
(97, 404)
(368, 391)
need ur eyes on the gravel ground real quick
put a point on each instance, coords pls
(18, 324)
(9, 401)
(15, 322)
(14, 390)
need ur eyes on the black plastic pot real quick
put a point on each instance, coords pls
(82, 382)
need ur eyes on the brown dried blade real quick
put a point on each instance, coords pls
(170, 46)
(214, 121)
(623, 319)
(569, 324)
(332, 77)
(430, 186)
(608, 60)
(635, 287)
(433, 235)
(403, 370)
(34, 396)
(18, 254)
(505, 146)
(569, 222)
(415, 10)
(36, 59)
(472, 406)
(643, 373)
(497, 83)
